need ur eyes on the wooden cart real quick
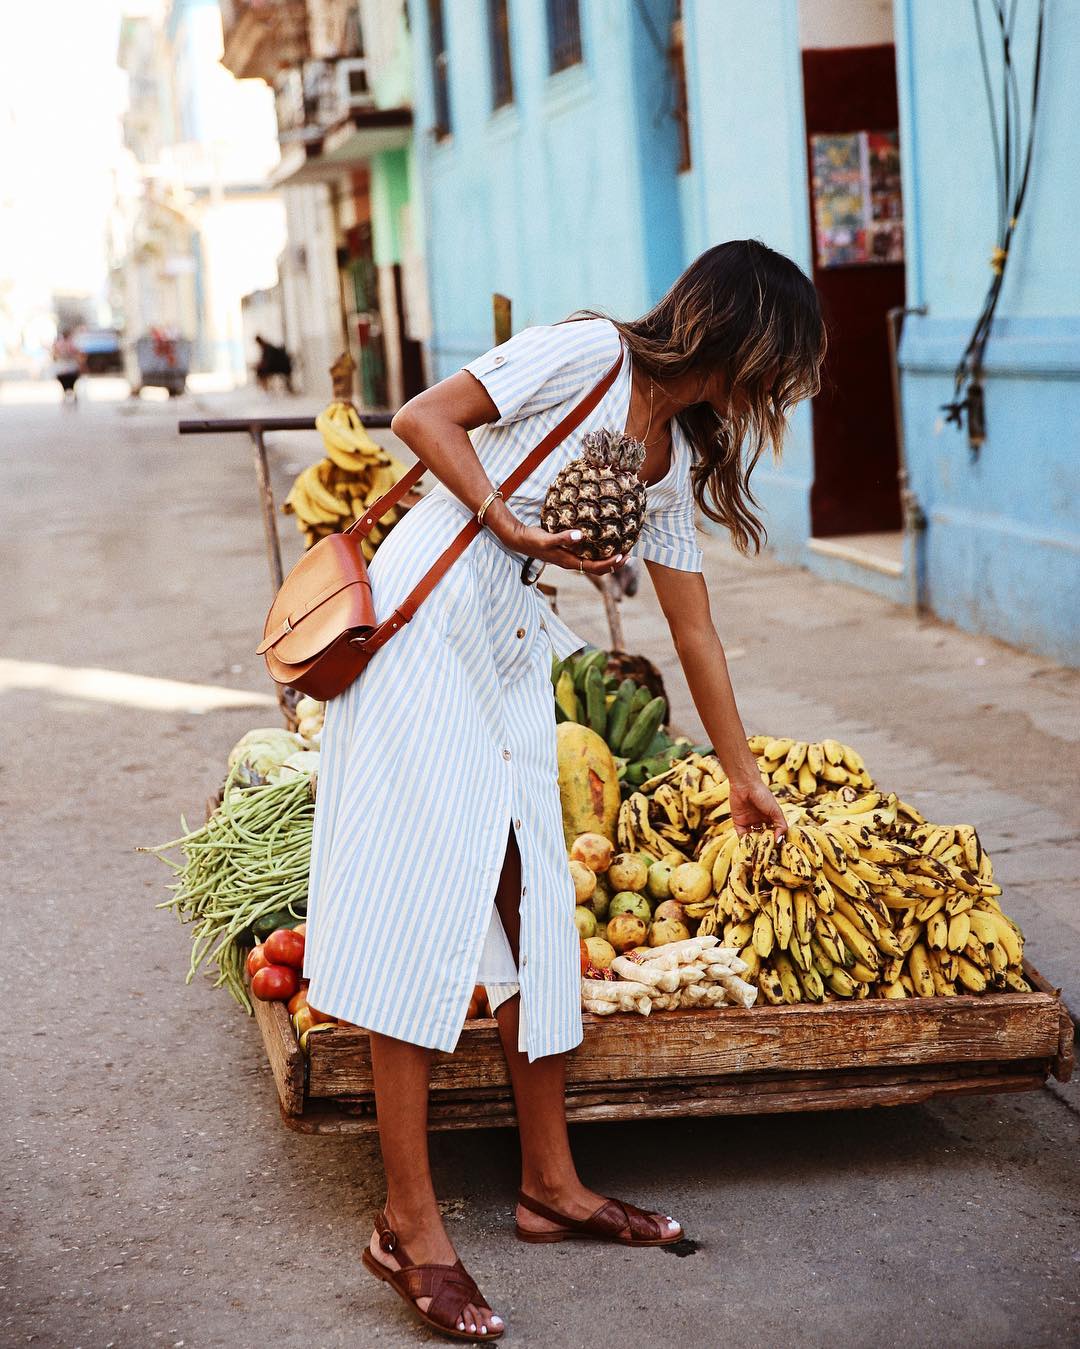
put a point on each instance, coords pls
(721, 1061)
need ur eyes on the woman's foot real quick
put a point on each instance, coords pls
(427, 1244)
(576, 1201)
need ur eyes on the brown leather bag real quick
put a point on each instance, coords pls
(321, 630)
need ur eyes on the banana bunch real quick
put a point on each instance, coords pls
(862, 897)
(329, 495)
(808, 766)
(623, 712)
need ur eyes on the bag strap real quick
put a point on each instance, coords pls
(409, 605)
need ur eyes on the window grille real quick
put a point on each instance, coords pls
(564, 34)
(502, 80)
(440, 58)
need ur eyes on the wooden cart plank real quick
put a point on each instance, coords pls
(1064, 1063)
(787, 1093)
(996, 1028)
(285, 1055)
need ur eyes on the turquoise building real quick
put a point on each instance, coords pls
(580, 152)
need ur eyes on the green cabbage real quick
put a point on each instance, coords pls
(257, 755)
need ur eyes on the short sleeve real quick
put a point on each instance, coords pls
(669, 533)
(541, 367)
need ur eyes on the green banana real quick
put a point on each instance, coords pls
(643, 728)
(595, 701)
(640, 698)
(593, 659)
(619, 718)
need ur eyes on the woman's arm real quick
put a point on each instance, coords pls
(435, 426)
(684, 598)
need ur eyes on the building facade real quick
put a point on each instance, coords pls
(581, 152)
(196, 226)
(352, 274)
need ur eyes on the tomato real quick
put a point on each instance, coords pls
(319, 1017)
(585, 961)
(298, 1000)
(275, 983)
(285, 947)
(256, 961)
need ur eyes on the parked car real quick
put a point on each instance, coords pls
(100, 351)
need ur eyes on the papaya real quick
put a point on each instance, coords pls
(588, 782)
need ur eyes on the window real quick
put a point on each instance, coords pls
(502, 80)
(677, 57)
(440, 84)
(564, 34)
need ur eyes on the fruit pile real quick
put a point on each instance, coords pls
(619, 698)
(330, 495)
(862, 897)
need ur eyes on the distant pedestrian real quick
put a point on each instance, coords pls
(430, 877)
(67, 364)
(273, 360)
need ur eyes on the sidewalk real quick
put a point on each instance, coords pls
(966, 728)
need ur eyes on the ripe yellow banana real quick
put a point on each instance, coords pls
(959, 931)
(971, 976)
(763, 935)
(784, 912)
(788, 981)
(918, 964)
(937, 931)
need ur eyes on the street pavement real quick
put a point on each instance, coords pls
(152, 1195)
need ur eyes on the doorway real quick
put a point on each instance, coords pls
(855, 208)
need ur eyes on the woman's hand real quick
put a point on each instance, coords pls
(753, 806)
(562, 549)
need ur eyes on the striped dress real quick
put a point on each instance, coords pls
(446, 741)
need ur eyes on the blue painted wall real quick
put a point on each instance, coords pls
(1002, 547)
(571, 197)
(568, 197)
(748, 180)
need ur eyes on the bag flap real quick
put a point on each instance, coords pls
(326, 593)
(346, 609)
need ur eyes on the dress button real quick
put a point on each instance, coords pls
(517, 824)
(524, 961)
(506, 754)
(521, 632)
(499, 360)
(523, 889)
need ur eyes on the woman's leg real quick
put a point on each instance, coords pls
(401, 1098)
(547, 1164)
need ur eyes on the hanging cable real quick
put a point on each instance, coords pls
(1011, 183)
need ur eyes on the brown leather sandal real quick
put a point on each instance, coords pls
(614, 1220)
(450, 1287)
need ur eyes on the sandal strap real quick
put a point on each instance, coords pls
(450, 1287)
(389, 1241)
(611, 1219)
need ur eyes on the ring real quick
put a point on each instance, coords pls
(581, 567)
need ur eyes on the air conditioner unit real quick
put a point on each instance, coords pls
(353, 89)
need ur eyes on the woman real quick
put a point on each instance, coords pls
(438, 859)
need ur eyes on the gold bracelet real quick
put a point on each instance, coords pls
(495, 492)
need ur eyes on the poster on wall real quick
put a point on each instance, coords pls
(858, 207)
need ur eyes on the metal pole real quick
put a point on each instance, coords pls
(914, 517)
(266, 498)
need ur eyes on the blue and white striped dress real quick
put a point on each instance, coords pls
(446, 742)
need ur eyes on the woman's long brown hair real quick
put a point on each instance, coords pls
(743, 308)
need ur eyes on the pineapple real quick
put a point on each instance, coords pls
(601, 494)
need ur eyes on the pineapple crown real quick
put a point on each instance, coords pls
(613, 449)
